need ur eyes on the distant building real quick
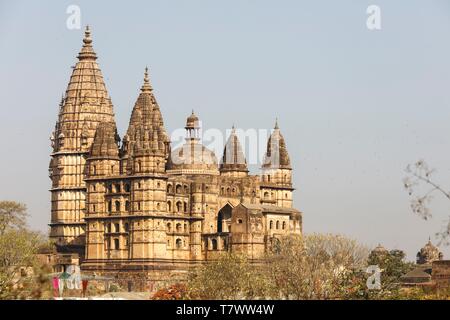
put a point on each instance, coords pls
(430, 269)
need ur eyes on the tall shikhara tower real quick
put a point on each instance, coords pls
(85, 104)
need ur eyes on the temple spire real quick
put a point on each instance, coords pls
(276, 155)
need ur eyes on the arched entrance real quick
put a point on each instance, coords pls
(224, 219)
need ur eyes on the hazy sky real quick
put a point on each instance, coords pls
(355, 106)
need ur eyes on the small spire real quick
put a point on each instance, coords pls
(146, 87)
(276, 123)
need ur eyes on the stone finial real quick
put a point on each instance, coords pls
(87, 36)
(87, 52)
(146, 87)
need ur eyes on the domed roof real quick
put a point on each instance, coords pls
(428, 253)
(380, 249)
(192, 158)
(192, 121)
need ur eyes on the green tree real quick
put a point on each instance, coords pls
(316, 266)
(231, 276)
(21, 274)
(13, 215)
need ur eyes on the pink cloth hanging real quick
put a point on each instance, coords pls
(55, 284)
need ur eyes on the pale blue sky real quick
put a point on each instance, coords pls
(355, 106)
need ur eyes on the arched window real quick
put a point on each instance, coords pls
(271, 224)
(185, 207)
(185, 189)
(178, 188)
(169, 206)
(117, 187)
(109, 206)
(169, 188)
(116, 227)
(127, 227)
(139, 206)
(268, 177)
(117, 204)
(266, 195)
(94, 170)
(93, 208)
(116, 244)
(127, 187)
(138, 166)
(169, 227)
(178, 243)
(108, 228)
(110, 189)
(284, 225)
(186, 227)
(214, 244)
(179, 206)
(277, 225)
(127, 205)
(158, 206)
(178, 227)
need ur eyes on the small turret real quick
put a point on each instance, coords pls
(276, 172)
(233, 161)
(103, 159)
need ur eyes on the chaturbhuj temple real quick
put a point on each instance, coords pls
(133, 205)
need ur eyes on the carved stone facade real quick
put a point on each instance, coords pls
(137, 205)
